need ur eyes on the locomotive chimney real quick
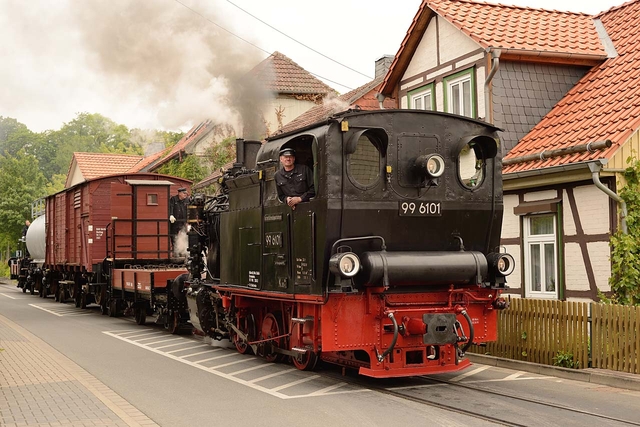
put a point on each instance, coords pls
(239, 153)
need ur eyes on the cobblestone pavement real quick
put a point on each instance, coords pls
(40, 386)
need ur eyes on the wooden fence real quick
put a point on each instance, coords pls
(583, 334)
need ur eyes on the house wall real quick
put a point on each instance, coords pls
(631, 148)
(290, 108)
(587, 221)
(75, 176)
(444, 51)
(523, 93)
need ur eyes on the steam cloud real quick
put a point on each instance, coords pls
(167, 62)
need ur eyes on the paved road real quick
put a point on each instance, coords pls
(69, 366)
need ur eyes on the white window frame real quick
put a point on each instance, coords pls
(542, 240)
(421, 95)
(459, 81)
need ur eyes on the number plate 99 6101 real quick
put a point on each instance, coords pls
(419, 208)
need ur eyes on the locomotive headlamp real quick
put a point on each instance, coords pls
(345, 264)
(505, 264)
(432, 164)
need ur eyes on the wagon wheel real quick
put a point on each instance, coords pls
(172, 322)
(306, 361)
(56, 297)
(83, 300)
(247, 325)
(24, 289)
(112, 308)
(271, 327)
(78, 298)
(140, 313)
(101, 300)
(61, 296)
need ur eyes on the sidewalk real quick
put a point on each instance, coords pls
(40, 386)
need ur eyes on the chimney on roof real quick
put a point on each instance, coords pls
(382, 65)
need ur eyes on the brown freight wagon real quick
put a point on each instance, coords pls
(99, 226)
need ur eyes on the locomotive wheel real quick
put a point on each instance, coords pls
(247, 325)
(140, 313)
(306, 361)
(271, 328)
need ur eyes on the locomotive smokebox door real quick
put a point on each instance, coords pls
(440, 329)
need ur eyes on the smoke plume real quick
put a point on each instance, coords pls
(166, 59)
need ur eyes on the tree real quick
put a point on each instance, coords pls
(625, 253)
(92, 133)
(21, 183)
(189, 168)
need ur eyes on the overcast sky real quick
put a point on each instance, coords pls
(164, 64)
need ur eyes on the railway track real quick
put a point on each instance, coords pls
(507, 409)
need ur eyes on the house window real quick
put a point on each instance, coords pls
(541, 255)
(152, 199)
(460, 93)
(422, 98)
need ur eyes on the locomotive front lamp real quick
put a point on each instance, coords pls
(345, 264)
(505, 264)
(432, 164)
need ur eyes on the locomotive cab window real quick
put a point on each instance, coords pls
(472, 160)
(365, 151)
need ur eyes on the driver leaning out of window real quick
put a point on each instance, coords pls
(294, 182)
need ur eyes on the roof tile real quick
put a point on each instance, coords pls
(522, 28)
(604, 104)
(280, 74)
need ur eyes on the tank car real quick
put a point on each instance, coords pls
(393, 268)
(108, 243)
(27, 268)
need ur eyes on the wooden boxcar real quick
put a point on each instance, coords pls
(117, 221)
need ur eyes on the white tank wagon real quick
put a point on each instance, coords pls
(35, 240)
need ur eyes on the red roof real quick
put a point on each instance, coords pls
(522, 28)
(281, 75)
(518, 31)
(604, 104)
(189, 137)
(363, 97)
(94, 165)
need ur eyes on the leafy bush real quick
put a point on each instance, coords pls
(564, 359)
(625, 252)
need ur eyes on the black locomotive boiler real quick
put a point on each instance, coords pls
(393, 268)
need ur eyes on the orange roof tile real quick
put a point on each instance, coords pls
(189, 137)
(280, 74)
(94, 165)
(149, 160)
(604, 104)
(517, 31)
(522, 28)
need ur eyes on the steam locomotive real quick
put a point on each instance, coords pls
(393, 268)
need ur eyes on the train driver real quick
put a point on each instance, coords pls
(293, 181)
